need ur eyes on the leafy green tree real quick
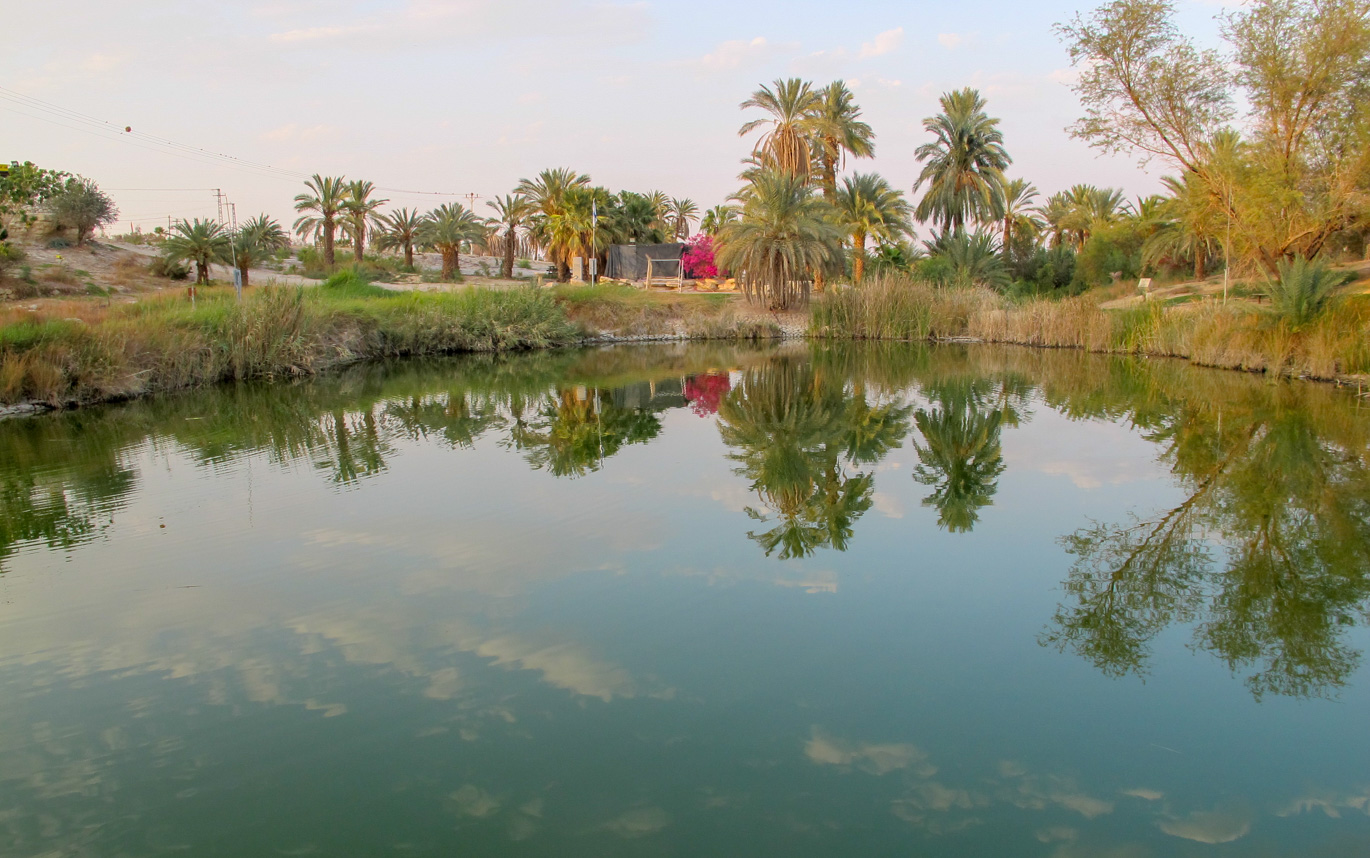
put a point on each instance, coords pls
(399, 230)
(835, 127)
(963, 168)
(511, 212)
(867, 206)
(324, 198)
(359, 208)
(446, 229)
(203, 242)
(716, 218)
(785, 146)
(26, 188)
(784, 234)
(547, 194)
(256, 240)
(82, 207)
(680, 214)
(1185, 226)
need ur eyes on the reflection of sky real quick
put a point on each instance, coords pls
(468, 652)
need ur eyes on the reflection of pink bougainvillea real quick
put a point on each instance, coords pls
(704, 392)
(699, 257)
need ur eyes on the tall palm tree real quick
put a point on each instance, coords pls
(680, 213)
(868, 207)
(399, 230)
(783, 237)
(1019, 214)
(964, 167)
(1056, 215)
(360, 210)
(834, 124)
(547, 193)
(324, 198)
(256, 240)
(716, 218)
(1187, 225)
(202, 242)
(511, 211)
(446, 229)
(634, 220)
(786, 146)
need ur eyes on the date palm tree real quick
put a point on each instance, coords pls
(256, 240)
(783, 237)
(324, 199)
(834, 124)
(786, 146)
(202, 242)
(359, 208)
(680, 213)
(1019, 214)
(963, 167)
(1187, 225)
(869, 207)
(547, 194)
(716, 218)
(511, 212)
(398, 230)
(446, 229)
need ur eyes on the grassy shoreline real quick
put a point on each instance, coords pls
(100, 353)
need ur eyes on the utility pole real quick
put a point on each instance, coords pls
(471, 201)
(219, 205)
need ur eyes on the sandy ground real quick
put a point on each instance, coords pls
(1213, 286)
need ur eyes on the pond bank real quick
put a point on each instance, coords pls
(102, 353)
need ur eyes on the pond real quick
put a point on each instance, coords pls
(693, 600)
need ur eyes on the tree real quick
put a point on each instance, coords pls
(634, 219)
(399, 230)
(681, 213)
(360, 211)
(446, 229)
(783, 236)
(202, 242)
(868, 207)
(834, 124)
(511, 211)
(25, 188)
(256, 240)
(964, 166)
(82, 207)
(325, 199)
(785, 147)
(1184, 226)
(1019, 215)
(547, 194)
(716, 218)
(964, 259)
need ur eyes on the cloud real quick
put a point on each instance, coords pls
(1210, 826)
(950, 41)
(295, 133)
(734, 54)
(885, 43)
(316, 34)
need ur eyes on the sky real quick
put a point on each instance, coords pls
(464, 97)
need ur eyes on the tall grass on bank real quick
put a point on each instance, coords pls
(1334, 343)
(165, 344)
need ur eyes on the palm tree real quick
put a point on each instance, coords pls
(836, 129)
(360, 210)
(785, 147)
(446, 229)
(203, 242)
(325, 199)
(782, 238)
(661, 204)
(511, 211)
(634, 220)
(1019, 214)
(680, 213)
(256, 240)
(716, 218)
(964, 167)
(1090, 209)
(963, 259)
(868, 207)
(1186, 225)
(1056, 214)
(547, 194)
(399, 230)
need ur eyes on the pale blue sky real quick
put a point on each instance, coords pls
(470, 95)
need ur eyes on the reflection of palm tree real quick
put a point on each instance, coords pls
(460, 417)
(572, 433)
(963, 457)
(789, 429)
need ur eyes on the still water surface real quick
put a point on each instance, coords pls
(702, 600)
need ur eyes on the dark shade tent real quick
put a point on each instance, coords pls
(629, 261)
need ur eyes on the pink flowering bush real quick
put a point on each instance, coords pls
(698, 258)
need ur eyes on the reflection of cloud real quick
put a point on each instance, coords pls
(638, 822)
(1033, 792)
(1145, 794)
(1330, 803)
(1057, 834)
(890, 506)
(871, 758)
(475, 802)
(1220, 825)
(563, 665)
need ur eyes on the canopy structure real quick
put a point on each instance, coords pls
(629, 261)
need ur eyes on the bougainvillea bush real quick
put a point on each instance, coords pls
(704, 392)
(699, 258)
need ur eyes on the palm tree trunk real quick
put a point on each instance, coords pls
(1008, 237)
(449, 262)
(1199, 272)
(328, 227)
(408, 255)
(858, 263)
(243, 268)
(509, 238)
(358, 240)
(201, 272)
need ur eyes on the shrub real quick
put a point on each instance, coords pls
(164, 266)
(82, 207)
(58, 243)
(698, 258)
(1303, 291)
